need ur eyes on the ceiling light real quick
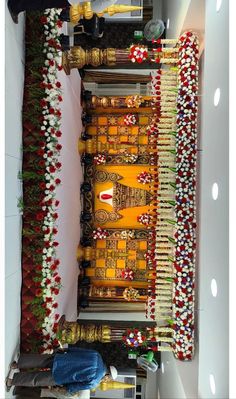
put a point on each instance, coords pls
(218, 5)
(217, 97)
(214, 287)
(212, 384)
(162, 368)
(168, 23)
(215, 191)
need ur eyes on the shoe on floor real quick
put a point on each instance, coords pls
(8, 383)
(13, 14)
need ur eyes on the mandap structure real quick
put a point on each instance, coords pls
(139, 153)
(139, 220)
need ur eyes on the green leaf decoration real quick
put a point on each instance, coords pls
(171, 221)
(172, 169)
(172, 152)
(172, 240)
(173, 185)
(171, 259)
(169, 279)
(172, 203)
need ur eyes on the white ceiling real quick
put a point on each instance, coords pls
(192, 380)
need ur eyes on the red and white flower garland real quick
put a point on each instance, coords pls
(100, 234)
(144, 218)
(186, 146)
(50, 150)
(99, 159)
(138, 53)
(130, 119)
(134, 338)
(128, 274)
(145, 177)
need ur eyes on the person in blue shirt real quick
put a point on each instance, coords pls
(76, 369)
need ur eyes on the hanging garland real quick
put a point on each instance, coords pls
(145, 178)
(138, 53)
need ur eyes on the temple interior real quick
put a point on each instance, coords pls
(135, 208)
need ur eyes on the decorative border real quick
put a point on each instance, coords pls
(41, 121)
(185, 236)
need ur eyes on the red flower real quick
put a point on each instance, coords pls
(60, 98)
(58, 147)
(58, 165)
(51, 63)
(59, 23)
(55, 216)
(43, 103)
(48, 312)
(52, 188)
(58, 84)
(55, 291)
(48, 281)
(55, 244)
(53, 267)
(51, 110)
(57, 279)
(57, 316)
(58, 133)
(60, 67)
(57, 262)
(58, 181)
(43, 20)
(41, 163)
(40, 152)
(57, 203)
(55, 305)
(48, 299)
(42, 185)
(39, 292)
(52, 169)
(40, 216)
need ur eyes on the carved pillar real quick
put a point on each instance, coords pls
(77, 57)
(72, 332)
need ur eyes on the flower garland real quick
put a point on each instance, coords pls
(50, 129)
(127, 274)
(100, 234)
(134, 338)
(186, 142)
(138, 53)
(99, 159)
(145, 219)
(145, 178)
(130, 119)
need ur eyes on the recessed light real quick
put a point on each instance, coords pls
(168, 23)
(162, 368)
(212, 384)
(215, 191)
(214, 287)
(218, 5)
(217, 97)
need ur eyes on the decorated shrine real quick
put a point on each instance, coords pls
(138, 218)
(137, 241)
